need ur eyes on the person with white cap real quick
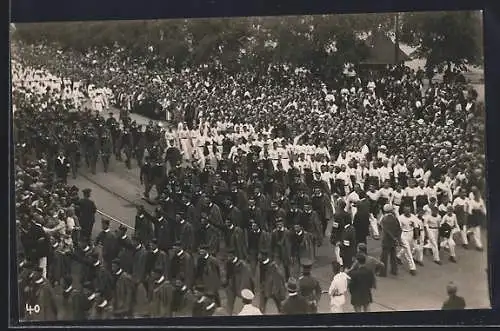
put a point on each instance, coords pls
(248, 309)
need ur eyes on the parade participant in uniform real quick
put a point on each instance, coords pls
(281, 246)
(185, 234)
(155, 258)
(146, 176)
(208, 273)
(397, 198)
(143, 228)
(248, 309)
(258, 241)
(419, 238)
(87, 298)
(254, 213)
(73, 152)
(208, 235)
(451, 220)
(309, 286)
(340, 219)
(141, 304)
(408, 222)
(182, 299)
(102, 310)
(348, 244)
(202, 306)
(62, 167)
(44, 297)
(476, 216)
(432, 223)
(234, 214)
(295, 304)
(123, 292)
(162, 295)
(214, 213)
(361, 221)
(126, 145)
(235, 240)
(181, 262)
(109, 243)
(302, 247)
(106, 150)
(103, 279)
(238, 277)
(338, 288)
(271, 282)
(362, 281)
(70, 304)
(87, 214)
(460, 205)
(312, 224)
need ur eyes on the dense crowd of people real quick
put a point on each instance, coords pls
(253, 172)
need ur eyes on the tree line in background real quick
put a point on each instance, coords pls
(322, 43)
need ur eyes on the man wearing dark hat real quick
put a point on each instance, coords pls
(311, 222)
(309, 286)
(302, 247)
(295, 304)
(109, 244)
(274, 213)
(62, 166)
(208, 235)
(203, 305)
(124, 292)
(361, 221)
(238, 277)
(127, 249)
(235, 240)
(154, 258)
(183, 299)
(281, 246)
(271, 282)
(87, 214)
(185, 233)
(254, 213)
(146, 176)
(143, 228)
(106, 147)
(161, 295)
(181, 263)
(258, 241)
(233, 213)
(208, 273)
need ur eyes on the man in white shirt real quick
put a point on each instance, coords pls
(451, 220)
(338, 289)
(460, 207)
(407, 222)
(248, 309)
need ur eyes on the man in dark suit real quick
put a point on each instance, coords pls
(295, 304)
(348, 245)
(87, 214)
(361, 220)
(361, 284)
(454, 302)
(391, 234)
(340, 219)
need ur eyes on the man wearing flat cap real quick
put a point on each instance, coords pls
(238, 277)
(161, 294)
(391, 234)
(124, 291)
(43, 296)
(248, 309)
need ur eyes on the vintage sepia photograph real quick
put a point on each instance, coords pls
(276, 165)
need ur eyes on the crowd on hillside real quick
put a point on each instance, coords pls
(279, 156)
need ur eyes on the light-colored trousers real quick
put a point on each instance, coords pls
(42, 263)
(476, 235)
(408, 246)
(433, 243)
(337, 304)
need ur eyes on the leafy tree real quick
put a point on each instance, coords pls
(444, 38)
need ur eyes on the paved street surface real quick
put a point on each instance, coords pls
(116, 193)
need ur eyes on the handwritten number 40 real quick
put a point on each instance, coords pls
(32, 309)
